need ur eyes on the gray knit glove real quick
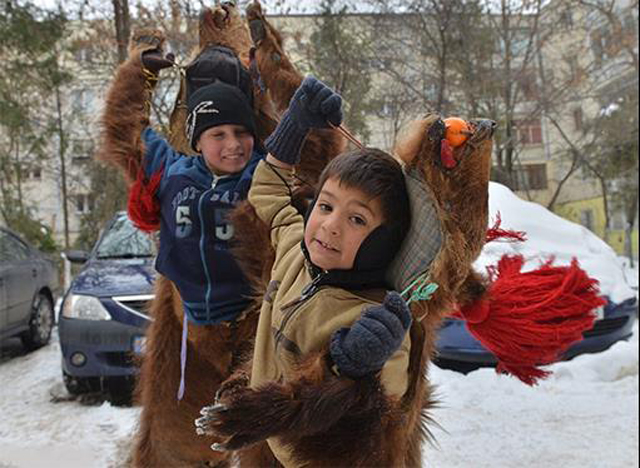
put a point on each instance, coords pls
(313, 105)
(366, 346)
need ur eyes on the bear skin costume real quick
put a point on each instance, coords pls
(166, 434)
(321, 416)
(333, 421)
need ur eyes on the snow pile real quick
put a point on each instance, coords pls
(584, 415)
(550, 236)
(631, 274)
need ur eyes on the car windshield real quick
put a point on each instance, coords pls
(123, 240)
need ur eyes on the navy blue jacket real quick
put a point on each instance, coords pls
(195, 232)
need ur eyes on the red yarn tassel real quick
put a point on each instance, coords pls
(496, 232)
(529, 319)
(143, 206)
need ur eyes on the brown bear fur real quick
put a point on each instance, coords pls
(329, 421)
(127, 102)
(394, 430)
(221, 25)
(166, 436)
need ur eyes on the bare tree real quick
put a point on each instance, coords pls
(617, 40)
(122, 23)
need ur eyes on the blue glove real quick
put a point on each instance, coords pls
(313, 105)
(372, 339)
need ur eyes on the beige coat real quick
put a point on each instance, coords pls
(293, 324)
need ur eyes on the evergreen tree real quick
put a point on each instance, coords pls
(336, 56)
(31, 74)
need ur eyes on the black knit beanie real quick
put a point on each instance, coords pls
(217, 104)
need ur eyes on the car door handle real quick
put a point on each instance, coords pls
(34, 273)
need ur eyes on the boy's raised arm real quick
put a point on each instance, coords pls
(314, 105)
(126, 112)
(270, 196)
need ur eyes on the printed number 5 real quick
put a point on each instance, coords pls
(183, 222)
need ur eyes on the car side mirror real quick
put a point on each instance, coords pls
(77, 256)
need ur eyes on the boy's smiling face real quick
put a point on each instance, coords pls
(341, 219)
(226, 148)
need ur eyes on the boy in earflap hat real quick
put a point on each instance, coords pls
(327, 307)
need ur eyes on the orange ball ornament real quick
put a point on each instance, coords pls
(456, 131)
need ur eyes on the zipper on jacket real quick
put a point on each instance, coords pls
(216, 179)
(311, 288)
(307, 292)
(203, 260)
(202, 252)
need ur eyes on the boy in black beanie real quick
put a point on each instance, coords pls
(197, 193)
(188, 198)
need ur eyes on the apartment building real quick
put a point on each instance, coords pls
(592, 53)
(573, 67)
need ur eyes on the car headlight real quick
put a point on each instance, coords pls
(84, 307)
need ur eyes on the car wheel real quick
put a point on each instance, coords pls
(40, 323)
(80, 385)
(120, 390)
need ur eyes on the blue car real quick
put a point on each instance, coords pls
(548, 237)
(104, 313)
(458, 349)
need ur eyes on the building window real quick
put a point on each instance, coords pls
(80, 160)
(578, 119)
(36, 173)
(566, 18)
(531, 177)
(631, 25)
(528, 85)
(80, 151)
(84, 203)
(576, 72)
(597, 48)
(529, 132)
(586, 219)
(618, 221)
(83, 100)
(84, 53)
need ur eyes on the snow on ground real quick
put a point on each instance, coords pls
(35, 432)
(585, 415)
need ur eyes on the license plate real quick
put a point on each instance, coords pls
(139, 343)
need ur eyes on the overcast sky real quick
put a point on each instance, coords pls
(271, 6)
(274, 7)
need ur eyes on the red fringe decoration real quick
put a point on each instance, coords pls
(496, 232)
(143, 206)
(529, 319)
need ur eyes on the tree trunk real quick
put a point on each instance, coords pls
(558, 190)
(632, 212)
(18, 172)
(442, 73)
(605, 201)
(123, 27)
(62, 149)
